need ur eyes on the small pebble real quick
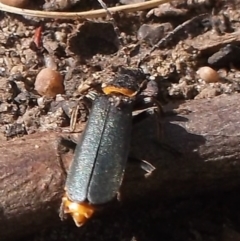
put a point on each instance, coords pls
(49, 83)
(17, 69)
(60, 36)
(50, 62)
(208, 74)
(15, 3)
(83, 87)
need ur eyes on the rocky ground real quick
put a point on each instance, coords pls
(87, 53)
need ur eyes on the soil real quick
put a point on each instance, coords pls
(186, 34)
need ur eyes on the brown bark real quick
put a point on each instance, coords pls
(31, 180)
(206, 132)
(206, 44)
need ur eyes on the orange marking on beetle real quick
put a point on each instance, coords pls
(124, 91)
(80, 212)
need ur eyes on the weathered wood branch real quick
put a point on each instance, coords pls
(206, 132)
(210, 45)
(31, 180)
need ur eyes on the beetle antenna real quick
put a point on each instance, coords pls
(164, 41)
(116, 29)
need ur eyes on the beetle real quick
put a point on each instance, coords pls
(100, 157)
(97, 170)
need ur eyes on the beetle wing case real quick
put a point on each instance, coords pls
(96, 172)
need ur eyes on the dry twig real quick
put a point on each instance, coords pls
(87, 14)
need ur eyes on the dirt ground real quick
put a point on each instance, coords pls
(192, 34)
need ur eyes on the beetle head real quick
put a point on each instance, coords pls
(128, 82)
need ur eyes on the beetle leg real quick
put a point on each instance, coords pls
(74, 114)
(87, 101)
(119, 196)
(152, 107)
(145, 165)
(64, 144)
(73, 119)
(62, 214)
(147, 99)
(164, 146)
